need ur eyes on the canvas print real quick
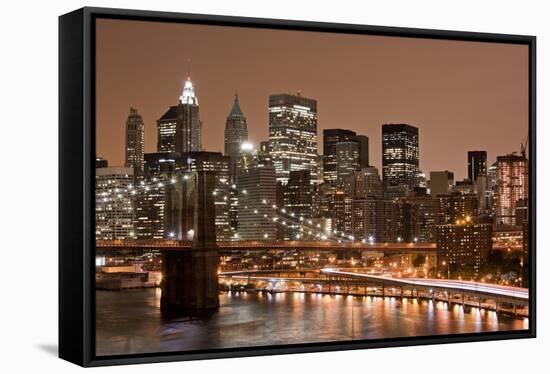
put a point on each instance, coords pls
(260, 187)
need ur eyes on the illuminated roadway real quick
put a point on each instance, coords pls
(455, 285)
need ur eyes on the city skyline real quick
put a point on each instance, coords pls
(331, 198)
(487, 82)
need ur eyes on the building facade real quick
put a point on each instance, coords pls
(135, 140)
(400, 155)
(293, 135)
(512, 185)
(347, 160)
(441, 182)
(114, 209)
(463, 244)
(477, 164)
(256, 195)
(179, 129)
(236, 133)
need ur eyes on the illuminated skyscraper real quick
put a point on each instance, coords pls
(347, 160)
(400, 155)
(477, 164)
(512, 185)
(256, 193)
(179, 129)
(135, 133)
(236, 133)
(293, 135)
(331, 137)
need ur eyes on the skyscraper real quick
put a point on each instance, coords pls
(365, 183)
(135, 138)
(179, 129)
(477, 164)
(298, 194)
(330, 138)
(363, 150)
(512, 185)
(236, 133)
(298, 199)
(293, 135)
(400, 155)
(256, 193)
(347, 160)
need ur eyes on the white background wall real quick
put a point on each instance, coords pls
(28, 183)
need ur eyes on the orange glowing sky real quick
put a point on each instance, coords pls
(461, 95)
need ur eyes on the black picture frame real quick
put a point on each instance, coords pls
(76, 184)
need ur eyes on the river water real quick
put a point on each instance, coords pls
(129, 322)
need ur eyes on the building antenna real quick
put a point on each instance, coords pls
(188, 72)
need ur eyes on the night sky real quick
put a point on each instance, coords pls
(461, 95)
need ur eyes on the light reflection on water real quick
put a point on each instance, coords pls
(131, 321)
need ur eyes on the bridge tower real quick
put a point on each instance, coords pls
(190, 276)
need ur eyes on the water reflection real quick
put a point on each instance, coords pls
(131, 321)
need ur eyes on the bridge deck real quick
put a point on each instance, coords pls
(455, 285)
(260, 244)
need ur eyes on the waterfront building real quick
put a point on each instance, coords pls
(179, 129)
(400, 155)
(135, 140)
(236, 133)
(293, 135)
(463, 244)
(113, 203)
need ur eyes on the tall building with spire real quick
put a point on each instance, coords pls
(135, 133)
(179, 129)
(236, 133)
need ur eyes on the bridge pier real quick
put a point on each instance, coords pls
(190, 276)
